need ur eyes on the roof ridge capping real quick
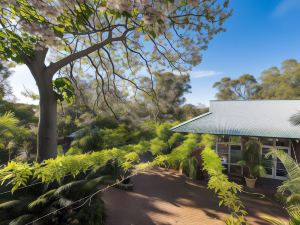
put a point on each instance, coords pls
(188, 121)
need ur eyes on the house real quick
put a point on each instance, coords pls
(235, 121)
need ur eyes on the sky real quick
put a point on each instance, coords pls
(260, 34)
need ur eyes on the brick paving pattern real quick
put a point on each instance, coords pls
(164, 197)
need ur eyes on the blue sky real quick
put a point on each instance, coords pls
(260, 34)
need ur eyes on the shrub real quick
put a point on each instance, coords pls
(218, 181)
(74, 151)
(157, 146)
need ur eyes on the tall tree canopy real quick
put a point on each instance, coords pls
(245, 87)
(118, 38)
(169, 91)
(281, 83)
(274, 83)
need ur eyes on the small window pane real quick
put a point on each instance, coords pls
(223, 152)
(267, 141)
(223, 139)
(235, 153)
(282, 142)
(267, 162)
(235, 148)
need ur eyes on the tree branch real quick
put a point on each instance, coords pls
(54, 67)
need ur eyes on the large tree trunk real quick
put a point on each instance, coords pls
(47, 130)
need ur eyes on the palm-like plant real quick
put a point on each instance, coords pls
(290, 188)
(295, 119)
(8, 123)
(251, 159)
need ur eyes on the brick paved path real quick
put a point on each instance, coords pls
(163, 197)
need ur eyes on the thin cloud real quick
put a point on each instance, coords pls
(204, 73)
(285, 6)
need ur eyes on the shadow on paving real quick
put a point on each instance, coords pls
(164, 197)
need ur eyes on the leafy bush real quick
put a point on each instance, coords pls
(158, 146)
(218, 181)
(74, 151)
(183, 152)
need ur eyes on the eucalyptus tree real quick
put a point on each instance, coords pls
(118, 38)
(245, 87)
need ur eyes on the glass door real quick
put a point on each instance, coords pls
(274, 167)
(235, 153)
(223, 152)
(230, 154)
(279, 169)
(267, 162)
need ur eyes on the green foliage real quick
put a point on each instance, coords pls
(245, 87)
(251, 159)
(157, 146)
(276, 83)
(192, 167)
(64, 90)
(8, 123)
(18, 174)
(49, 199)
(183, 151)
(74, 151)
(175, 139)
(290, 189)
(226, 191)
(24, 113)
(163, 131)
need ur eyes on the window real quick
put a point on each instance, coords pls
(282, 142)
(267, 141)
(223, 139)
(223, 152)
(279, 167)
(230, 153)
(267, 162)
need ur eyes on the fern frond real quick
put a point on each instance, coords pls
(294, 212)
(273, 220)
(38, 203)
(64, 189)
(295, 119)
(21, 220)
(8, 122)
(10, 204)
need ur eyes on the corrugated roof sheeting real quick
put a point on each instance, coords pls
(258, 118)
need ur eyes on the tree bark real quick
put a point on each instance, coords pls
(47, 129)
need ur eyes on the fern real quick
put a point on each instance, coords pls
(290, 187)
(218, 181)
(64, 189)
(21, 220)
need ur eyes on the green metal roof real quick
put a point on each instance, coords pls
(257, 118)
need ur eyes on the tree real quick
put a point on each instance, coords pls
(245, 87)
(275, 83)
(5, 88)
(112, 36)
(169, 92)
(281, 83)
